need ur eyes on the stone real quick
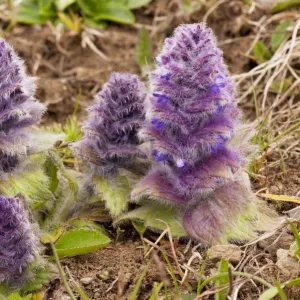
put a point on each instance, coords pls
(288, 265)
(273, 243)
(86, 280)
(232, 253)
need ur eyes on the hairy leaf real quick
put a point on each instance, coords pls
(153, 215)
(81, 241)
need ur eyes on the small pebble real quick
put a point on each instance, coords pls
(86, 280)
(232, 253)
(104, 275)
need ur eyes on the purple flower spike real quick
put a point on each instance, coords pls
(18, 108)
(111, 140)
(18, 244)
(191, 120)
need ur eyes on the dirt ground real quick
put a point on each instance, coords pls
(66, 71)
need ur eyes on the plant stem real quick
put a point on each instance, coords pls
(62, 273)
(289, 130)
(258, 279)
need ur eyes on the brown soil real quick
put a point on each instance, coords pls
(66, 71)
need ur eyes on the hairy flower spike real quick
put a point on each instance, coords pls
(18, 244)
(18, 108)
(110, 140)
(192, 119)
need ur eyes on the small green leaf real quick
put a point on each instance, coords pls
(138, 285)
(133, 4)
(280, 34)
(115, 193)
(139, 227)
(151, 216)
(80, 241)
(42, 276)
(72, 129)
(95, 24)
(110, 11)
(281, 293)
(223, 268)
(297, 238)
(63, 4)
(51, 171)
(189, 7)
(115, 13)
(16, 296)
(45, 4)
(144, 51)
(30, 13)
(280, 87)
(261, 52)
(269, 294)
(51, 237)
(294, 282)
(284, 5)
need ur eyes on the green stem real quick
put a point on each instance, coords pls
(62, 273)
(289, 130)
(258, 279)
(61, 208)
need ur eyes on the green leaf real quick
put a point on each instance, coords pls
(223, 268)
(144, 51)
(110, 11)
(16, 296)
(294, 282)
(139, 227)
(297, 239)
(63, 4)
(280, 34)
(133, 4)
(45, 4)
(151, 216)
(32, 185)
(269, 294)
(189, 7)
(138, 285)
(80, 241)
(280, 87)
(30, 13)
(42, 276)
(95, 24)
(51, 171)
(115, 13)
(281, 293)
(261, 52)
(72, 130)
(115, 193)
(285, 4)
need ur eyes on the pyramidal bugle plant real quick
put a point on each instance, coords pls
(19, 111)
(110, 147)
(192, 123)
(19, 244)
